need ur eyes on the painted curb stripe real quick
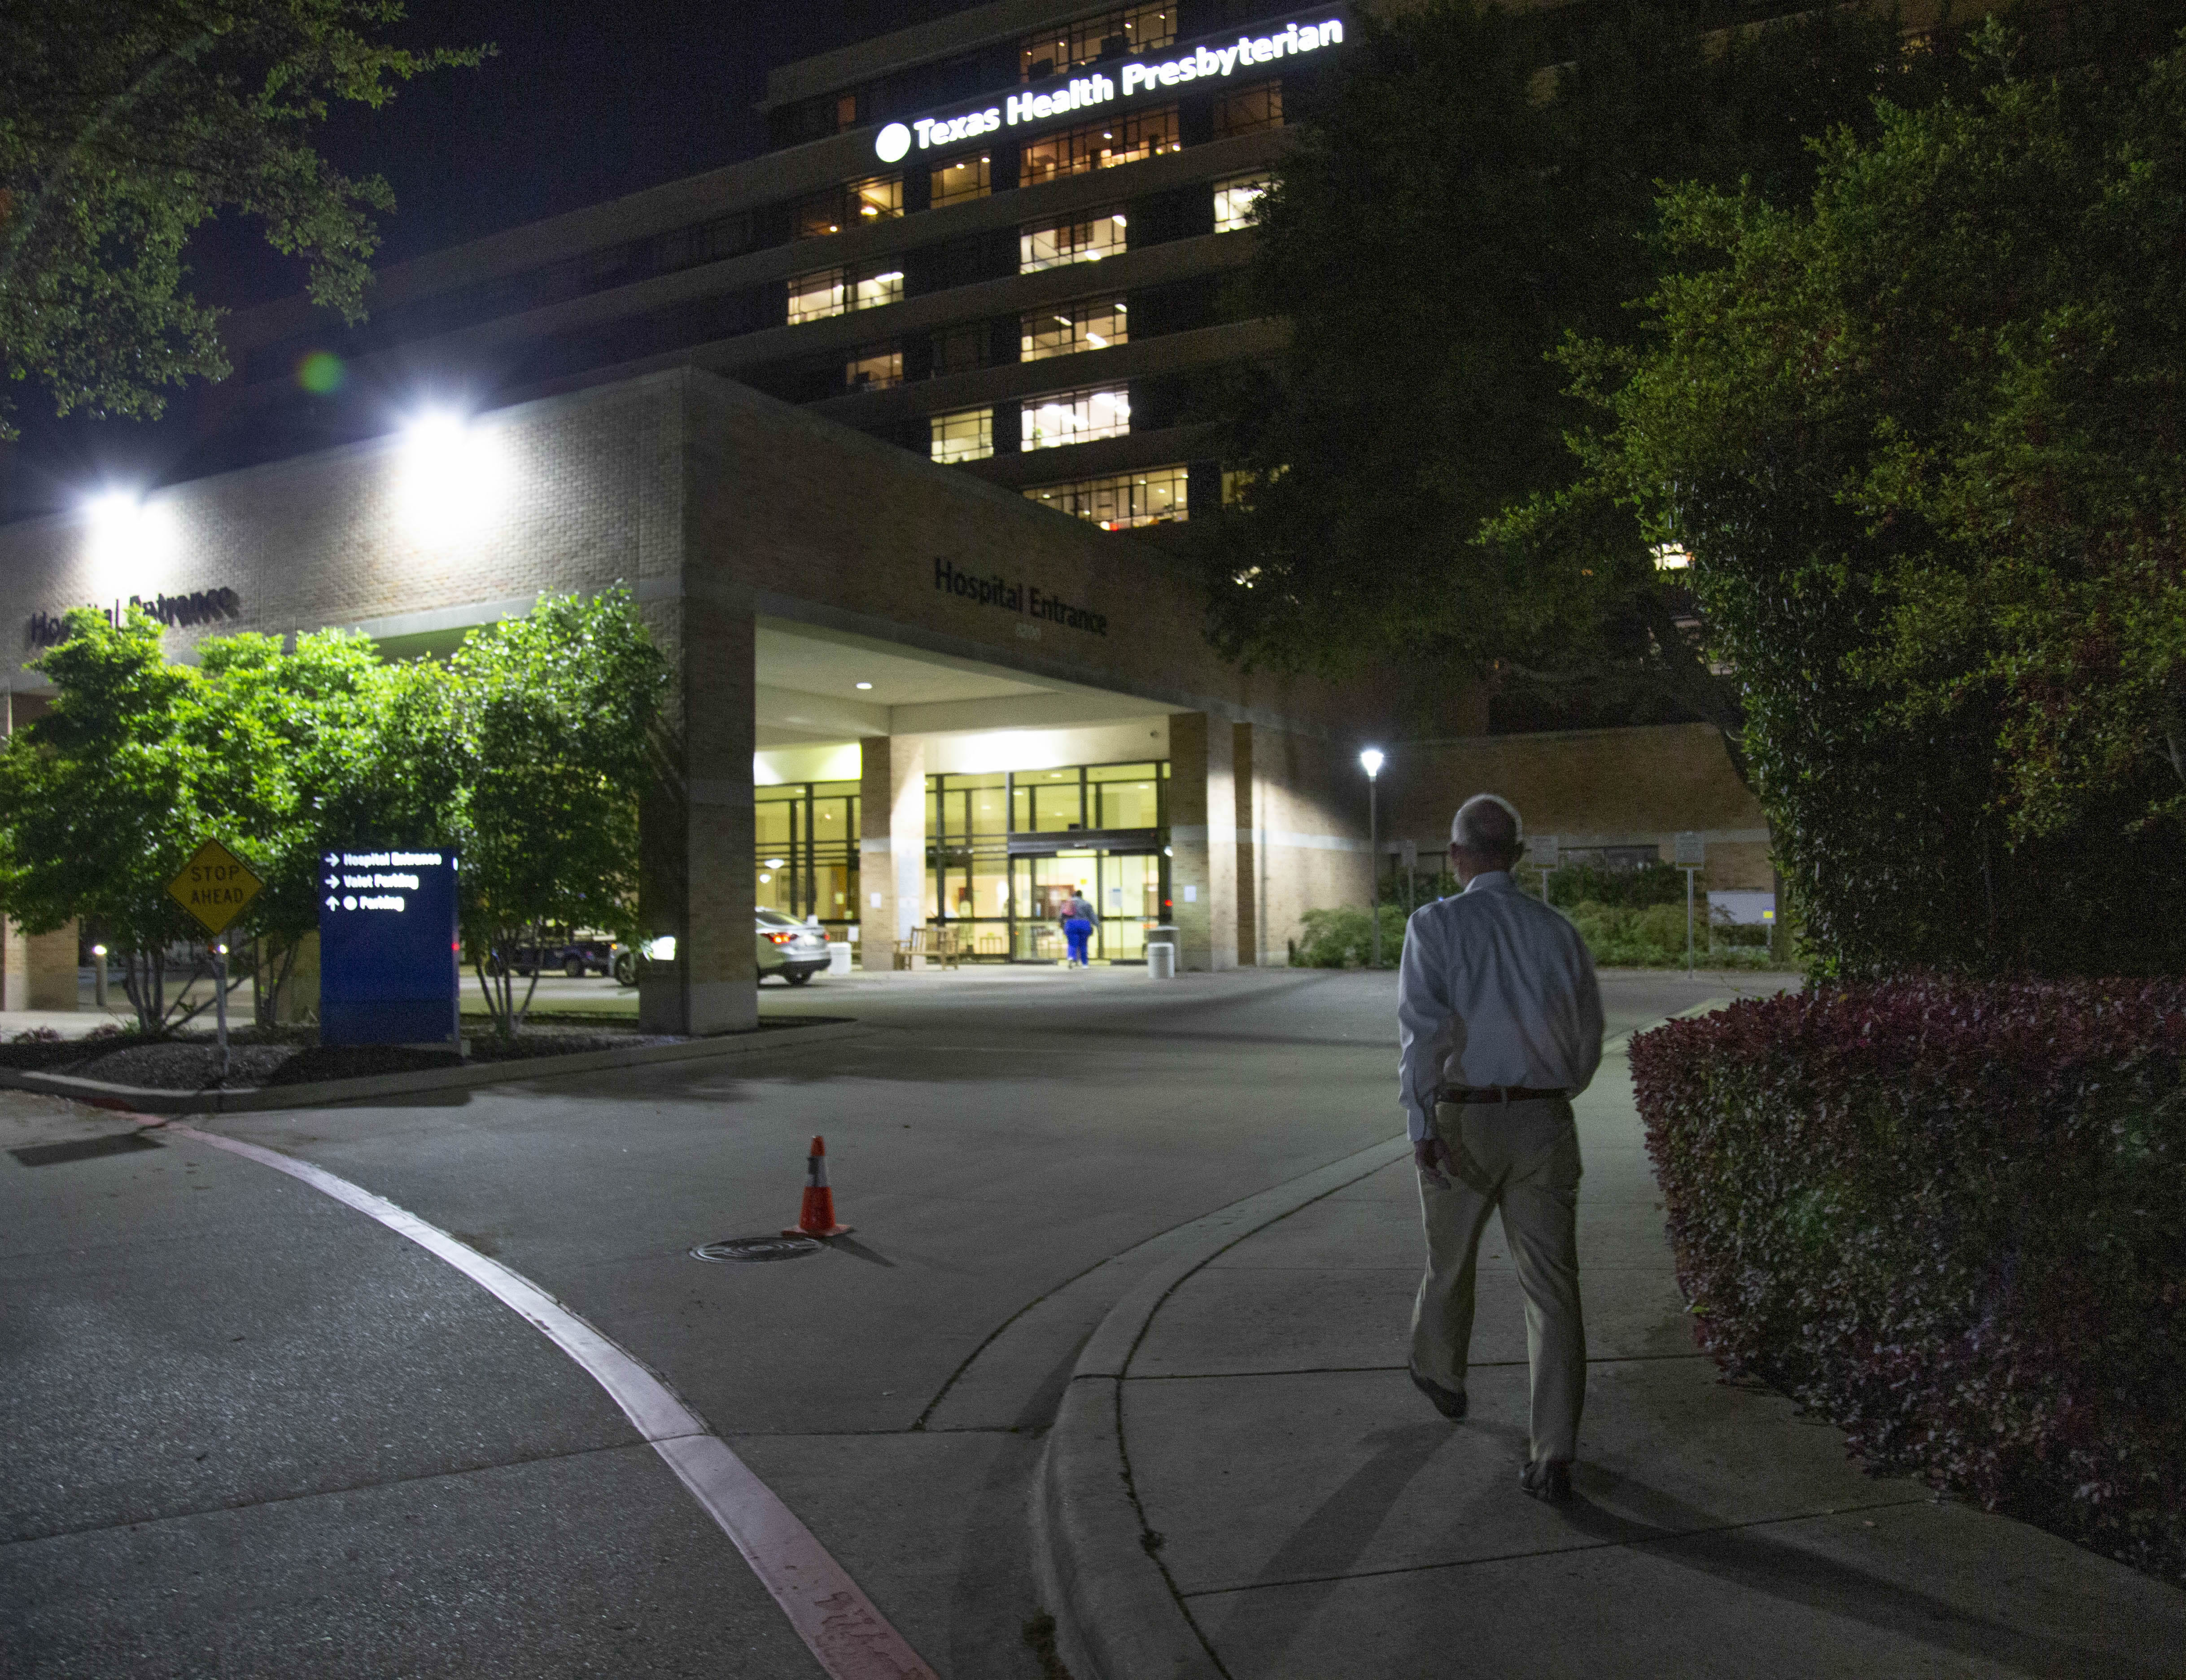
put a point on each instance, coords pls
(852, 1639)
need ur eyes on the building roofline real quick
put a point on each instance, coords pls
(944, 37)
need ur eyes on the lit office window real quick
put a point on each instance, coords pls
(870, 291)
(874, 368)
(854, 203)
(1249, 109)
(960, 182)
(1067, 329)
(1075, 416)
(876, 199)
(1154, 497)
(1234, 199)
(1099, 145)
(1104, 234)
(1132, 29)
(813, 297)
(968, 435)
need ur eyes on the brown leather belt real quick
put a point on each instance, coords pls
(1465, 1094)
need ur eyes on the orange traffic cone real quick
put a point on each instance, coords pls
(817, 1218)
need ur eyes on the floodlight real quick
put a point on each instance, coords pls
(1371, 761)
(126, 539)
(452, 477)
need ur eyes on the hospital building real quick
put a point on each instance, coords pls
(889, 430)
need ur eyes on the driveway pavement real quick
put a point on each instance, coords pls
(388, 1472)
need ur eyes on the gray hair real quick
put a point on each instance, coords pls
(1490, 824)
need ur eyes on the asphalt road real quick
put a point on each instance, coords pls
(248, 1431)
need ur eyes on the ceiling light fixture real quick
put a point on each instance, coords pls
(865, 684)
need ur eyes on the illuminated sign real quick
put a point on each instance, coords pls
(1111, 84)
(389, 951)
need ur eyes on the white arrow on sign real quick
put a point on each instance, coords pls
(331, 904)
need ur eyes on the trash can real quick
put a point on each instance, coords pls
(839, 956)
(1161, 952)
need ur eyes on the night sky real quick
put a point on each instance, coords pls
(582, 103)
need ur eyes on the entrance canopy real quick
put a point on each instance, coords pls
(1027, 792)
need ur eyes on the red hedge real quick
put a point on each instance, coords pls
(1952, 1218)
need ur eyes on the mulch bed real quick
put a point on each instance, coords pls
(190, 1062)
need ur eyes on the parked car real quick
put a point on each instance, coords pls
(575, 958)
(789, 947)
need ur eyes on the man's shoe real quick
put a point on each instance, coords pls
(1547, 1479)
(1450, 1402)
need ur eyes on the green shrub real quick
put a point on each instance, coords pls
(1653, 935)
(1951, 1219)
(1654, 883)
(1342, 937)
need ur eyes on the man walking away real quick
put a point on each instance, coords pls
(1499, 1023)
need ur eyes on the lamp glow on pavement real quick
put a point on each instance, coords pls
(453, 480)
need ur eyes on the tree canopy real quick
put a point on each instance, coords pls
(526, 754)
(1921, 436)
(125, 126)
(1448, 214)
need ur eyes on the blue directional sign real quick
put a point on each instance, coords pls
(390, 954)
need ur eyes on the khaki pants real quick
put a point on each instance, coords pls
(1524, 1158)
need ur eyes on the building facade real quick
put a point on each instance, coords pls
(1000, 239)
(917, 695)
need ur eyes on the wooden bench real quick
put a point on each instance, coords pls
(939, 945)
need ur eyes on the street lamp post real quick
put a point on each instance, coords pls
(1370, 761)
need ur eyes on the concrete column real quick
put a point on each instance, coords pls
(14, 967)
(697, 821)
(891, 844)
(1248, 896)
(53, 970)
(1203, 834)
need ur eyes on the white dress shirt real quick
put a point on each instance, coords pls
(1496, 988)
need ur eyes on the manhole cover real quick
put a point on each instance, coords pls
(758, 1248)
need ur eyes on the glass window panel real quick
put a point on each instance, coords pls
(1234, 199)
(1056, 806)
(1021, 809)
(1119, 502)
(870, 291)
(817, 216)
(873, 370)
(813, 297)
(1130, 804)
(966, 435)
(1248, 109)
(1104, 234)
(1068, 328)
(960, 182)
(876, 199)
(1099, 145)
(1074, 417)
(1132, 29)
(960, 350)
(770, 823)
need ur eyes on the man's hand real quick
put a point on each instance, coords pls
(1432, 1157)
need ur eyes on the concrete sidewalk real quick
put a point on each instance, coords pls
(1291, 1507)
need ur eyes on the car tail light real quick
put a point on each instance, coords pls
(780, 938)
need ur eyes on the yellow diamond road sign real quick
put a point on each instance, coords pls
(214, 887)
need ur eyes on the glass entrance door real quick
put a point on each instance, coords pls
(1123, 888)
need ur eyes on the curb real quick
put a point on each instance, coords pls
(1117, 1614)
(325, 1091)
